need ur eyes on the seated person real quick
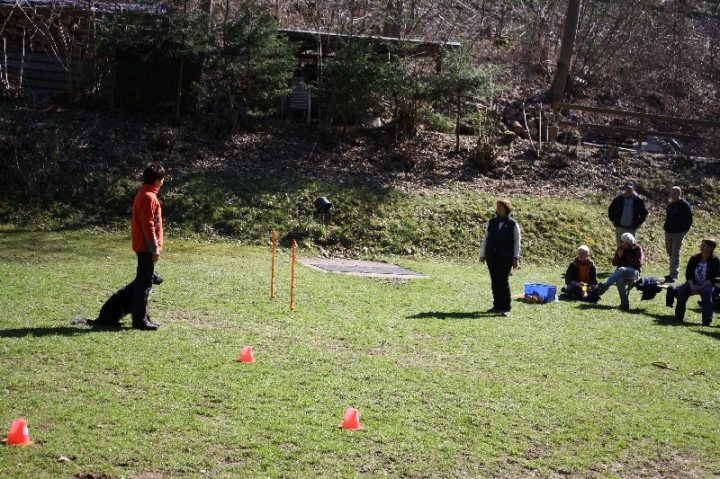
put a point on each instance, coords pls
(628, 259)
(701, 274)
(581, 275)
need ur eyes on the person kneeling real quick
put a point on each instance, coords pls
(581, 277)
(701, 274)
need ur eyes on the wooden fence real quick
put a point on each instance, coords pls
(637, 133)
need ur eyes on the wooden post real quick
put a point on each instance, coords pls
(640, 133)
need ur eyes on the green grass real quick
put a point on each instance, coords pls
(562, 389)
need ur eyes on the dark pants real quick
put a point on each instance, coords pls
(499, 267)
(142, 288)
(682, 295)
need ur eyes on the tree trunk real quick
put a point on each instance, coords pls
(559, 84)
(178, 90)
(393, 19)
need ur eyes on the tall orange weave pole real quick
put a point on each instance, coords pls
(292, 277)
(272, 268)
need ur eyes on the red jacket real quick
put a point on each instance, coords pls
(146, 226)
(632, 257)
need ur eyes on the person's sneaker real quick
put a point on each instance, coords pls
(624, 306)
(494, 310)
(601, 288)
(670, 279)
(506, 314)
(706, 324)
(146, 326)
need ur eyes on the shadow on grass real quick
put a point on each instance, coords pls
(40, 332)
(668, 320)
(450, 315)
(634, 308)
(713, 334)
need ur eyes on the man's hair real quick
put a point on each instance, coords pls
(506, 203)
(711, 242)
(676, 188)
(152, 173)
(584, 249)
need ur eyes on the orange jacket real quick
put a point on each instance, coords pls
(146, 226)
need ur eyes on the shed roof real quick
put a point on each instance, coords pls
(313, 39)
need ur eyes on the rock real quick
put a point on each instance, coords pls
(507, 137)
(516, 127)
(510, 112)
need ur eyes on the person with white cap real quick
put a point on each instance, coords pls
(627, 212)
(628, 259)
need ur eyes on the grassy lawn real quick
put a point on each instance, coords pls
(444, 390)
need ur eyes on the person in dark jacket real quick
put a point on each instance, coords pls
(501, 250)
(580, 275)
(678, 219)
(628, 259)
(701, 274)
(627, 212)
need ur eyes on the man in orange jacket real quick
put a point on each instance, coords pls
(147, 242)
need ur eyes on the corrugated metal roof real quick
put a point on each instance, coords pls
(315, 35)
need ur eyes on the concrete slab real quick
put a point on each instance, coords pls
(361, 268)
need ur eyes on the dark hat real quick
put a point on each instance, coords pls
(629, 184)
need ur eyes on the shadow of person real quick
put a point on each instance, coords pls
(667, 320)
(713, 334)
(449, 315)
(589, 305)
(49, 331)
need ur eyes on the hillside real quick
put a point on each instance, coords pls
(73, 168)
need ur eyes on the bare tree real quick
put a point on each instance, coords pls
(557, 90)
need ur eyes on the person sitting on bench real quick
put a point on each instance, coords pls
(701, 274)
(628, 259)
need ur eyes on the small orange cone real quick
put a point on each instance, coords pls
(352, 419)
(19, 434)
(246, 356)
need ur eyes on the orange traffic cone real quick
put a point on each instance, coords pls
(352, 419)
(19, 434)
(246, 356)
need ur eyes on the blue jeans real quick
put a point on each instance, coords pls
(706, 295)
(621, 276)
